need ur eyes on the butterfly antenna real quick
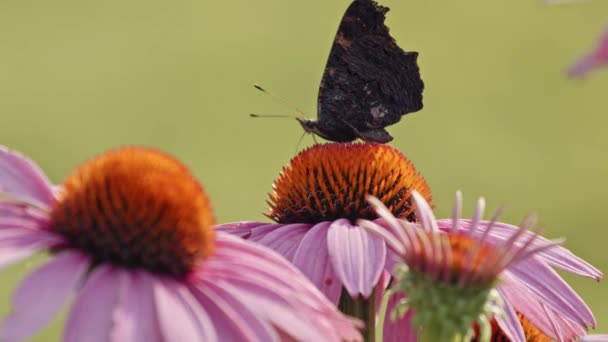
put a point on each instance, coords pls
(300, 142)
(253, 115)
(279, 100)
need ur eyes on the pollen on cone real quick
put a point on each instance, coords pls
(331, 181)
(138, 208)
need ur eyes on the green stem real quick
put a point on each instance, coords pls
(363, 309)
(382, 315)
(435, 333)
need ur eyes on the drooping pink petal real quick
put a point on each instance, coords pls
(18, 244)
(563, 328)
(236, 258)
(285, 239)
(232, 318)
(234, 254)
(357, 255)
(392, 260)
(180, 316)
(509, 322)
(273, 307)
(135, 316)
(391, 241)
(523, 300)
(91, 317)
(399, 330)
(263, 273)
(42, 294)
(553, 291)
(594, 59)
(22, 178)
(312, 258)
(381, 289)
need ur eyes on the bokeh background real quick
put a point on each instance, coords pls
(501, 119)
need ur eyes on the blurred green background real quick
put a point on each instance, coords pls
(501, 119)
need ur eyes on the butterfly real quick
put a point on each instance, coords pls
(369, 82)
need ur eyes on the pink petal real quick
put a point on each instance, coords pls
(18, 244)
(249, 230)
(598, 57)
(285, 239)
(135, 315)
(240, 259)
(424, 212)
(21, 215)
(558, 256)
(21, 177)
(180, 316)
(273, 307)
(385, 234)
(312, 258)
(240, 229)
(257, 271)
(509, 322)
(91, 316)
(392, 260)
(530, 305)
(18, 222)
(232, 318)
(42, 294)
(582, 66)
(399, 330)
(553, 291)
(262, 229)
(594, 338)
(357, 255)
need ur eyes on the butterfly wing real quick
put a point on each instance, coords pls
(369, 81)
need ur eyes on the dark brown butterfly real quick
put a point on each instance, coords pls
(369, 81)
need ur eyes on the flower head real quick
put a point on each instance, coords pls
(137, 208)
(329, 182)
(131, 238)
(484, 267)
(316, 201)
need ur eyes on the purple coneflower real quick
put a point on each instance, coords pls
(315, 203)
(452, 267)
(131, 240)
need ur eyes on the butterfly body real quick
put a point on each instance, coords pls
(369, 81)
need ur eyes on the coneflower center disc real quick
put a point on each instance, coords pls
(330, 181)
(466, 255)
(137, 208)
